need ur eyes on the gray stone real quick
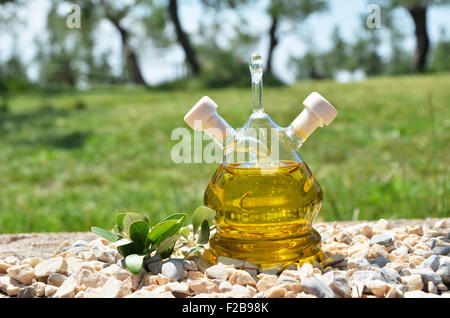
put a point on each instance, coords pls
(431, 262)
(56, 279)
(103, 255)
(202, 263)
(441, 250)
(153, 264)
(317, 288)
(381, 239)
(432, 243)
(381, 261)
(364, 276)
(427, 275)
(80, 243)
(401, 250)
(121, 263)
(26, 292)
(337, 281)
(444, 273)
(190, 265)
(389, 275)
(173, 269)
(358, 263)
(332, 260)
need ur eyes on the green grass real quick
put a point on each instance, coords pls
(65, 168)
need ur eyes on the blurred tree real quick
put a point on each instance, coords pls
(116, 14)
(183, 38)
(418, 11)
(294, 11)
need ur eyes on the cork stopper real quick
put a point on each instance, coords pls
(318, 112)
(203, 116)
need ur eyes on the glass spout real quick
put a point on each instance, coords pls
(256, 72)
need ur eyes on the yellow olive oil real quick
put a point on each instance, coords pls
(265, 213)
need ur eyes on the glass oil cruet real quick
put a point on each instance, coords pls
(265, 196)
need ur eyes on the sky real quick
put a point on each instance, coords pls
(159, 66)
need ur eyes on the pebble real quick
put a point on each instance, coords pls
(266, 282)
(26, 292)
(116, 271)
(432, 288)
(402, 250)
(39, 289)
(428, 275)
(364, 276)
(444, 273)
(418, 229)
(22, 273)
(225, 287)
(381, 239)
(413, 282)
(32, 261)
(316, 287)
(114, 288)
(68, 289)
(358, 263)
(173, 269)
(178, 288)
(103, 255)
(381, 261)
(241, 277)
(153, 264)
(338, 283)
(275, 292)
(56, 279)
(231, 261)
(441, 250)
(389, 275)
(432, 243)
(203, 286)
(239, 291)
(218, 271)
(290, 276)
(377, 287)
(50, 266)
(377, 250)
(330, 261)
(431, 262)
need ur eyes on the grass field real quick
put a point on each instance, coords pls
(65, 168)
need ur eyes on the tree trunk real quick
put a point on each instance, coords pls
(272, 44)
(191, 56)
(130, 56)
(419, 15)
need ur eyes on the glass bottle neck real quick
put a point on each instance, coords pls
(298, 141)
(257, 87)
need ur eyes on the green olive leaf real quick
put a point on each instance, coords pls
(107, 235)
(201, 214)
(138, 234)
(203, 238)
(193, 250)
(134, 263)
(166, 247)
(129, 218)
(128, 249)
